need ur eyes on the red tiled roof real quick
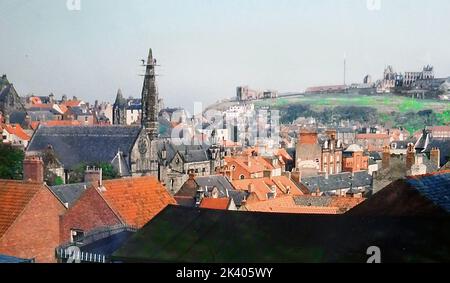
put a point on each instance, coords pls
(215, 203)
(287, 204)
(14, 197)
(371, 136)
(72, 103)
(136, 200)
(42, 105)
(261, 186)
(35, 100)
(17, 130)
(55, 123)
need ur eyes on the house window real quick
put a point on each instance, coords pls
(77, 235)
(241, 177)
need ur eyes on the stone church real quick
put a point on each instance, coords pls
(132, 150)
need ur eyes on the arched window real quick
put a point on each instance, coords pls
(241, 177)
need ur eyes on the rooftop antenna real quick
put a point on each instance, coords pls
(345, 69)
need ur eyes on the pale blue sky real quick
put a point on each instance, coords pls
(208, 47)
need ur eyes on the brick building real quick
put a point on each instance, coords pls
(29, 216)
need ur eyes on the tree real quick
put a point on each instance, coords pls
(11, 162)
(108, 171)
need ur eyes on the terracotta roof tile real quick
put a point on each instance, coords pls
(136, 200)
(14, 197)
(261, 186)
(215, 203)
(287, 204)
(17, 130)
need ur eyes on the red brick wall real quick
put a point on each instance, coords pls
(88, 213)
(35, 234)
(308, 138)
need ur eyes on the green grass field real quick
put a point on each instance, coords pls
(383, 103)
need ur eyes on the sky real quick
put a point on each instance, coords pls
(208, 47)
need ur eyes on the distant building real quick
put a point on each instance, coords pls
(9, 99)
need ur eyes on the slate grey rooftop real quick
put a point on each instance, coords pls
(337, 181)
(75, 145)
(69, 193)
(435, 188)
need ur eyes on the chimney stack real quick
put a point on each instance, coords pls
(93, 175)
(33, 169)
(435, 157)
(308, 137)
(251, 188)
(410, 157)
(386, 159)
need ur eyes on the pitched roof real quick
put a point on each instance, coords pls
(215, 203)
(435, 187)
(262, 186)
(203, 235)
(337, 181)
(75, 145)
(69, 193)
(224, 187)
(426, 195)
(305, 204)
(288, 204)
(136, 200)
(372, 136)
(14, 197)
(17, 130)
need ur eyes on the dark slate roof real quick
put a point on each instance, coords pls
(18, 117)
(192, 235)
(76, 145)
(12, 259)
(42, 116)
(402, 144)
(444, 147)
(69, 193)
(196, 153)
(337, 181)
(80, 111)
(434, 187)
(224, 187)
(375, 156)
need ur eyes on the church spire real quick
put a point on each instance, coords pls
(150, 99)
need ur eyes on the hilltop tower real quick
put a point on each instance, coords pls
(150, 99)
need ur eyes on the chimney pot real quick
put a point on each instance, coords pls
(33, 169)
(93, 175)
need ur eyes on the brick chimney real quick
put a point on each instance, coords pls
(251, 188)
(308, 137)
(93, 175)
(435, 157)
(410, 157)
(386, 159)
(33, 169)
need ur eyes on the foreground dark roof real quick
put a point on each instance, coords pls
(180, 234)
(75, 145)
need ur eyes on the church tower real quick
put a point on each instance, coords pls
(150, 99)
